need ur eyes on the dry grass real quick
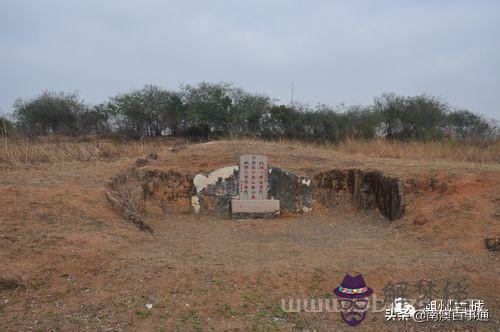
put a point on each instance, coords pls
(18, 152)
(443, 150)
(429, 151)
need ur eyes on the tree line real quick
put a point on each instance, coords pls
(208, 110)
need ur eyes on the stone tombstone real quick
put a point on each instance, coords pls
(253, 177)
(252, 202)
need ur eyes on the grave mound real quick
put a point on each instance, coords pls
(250, 190)
(277, 191)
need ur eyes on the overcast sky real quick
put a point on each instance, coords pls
(334, 52)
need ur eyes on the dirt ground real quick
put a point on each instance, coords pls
(79, 266)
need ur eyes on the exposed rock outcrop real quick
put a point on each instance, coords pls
(126, 210)
(367, 189)
(492, 243)
(9, 284)
(141, 162)
(130, 193)
(152, 156)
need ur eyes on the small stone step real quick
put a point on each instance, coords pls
(255, 208)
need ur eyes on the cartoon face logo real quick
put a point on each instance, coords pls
(353, 299)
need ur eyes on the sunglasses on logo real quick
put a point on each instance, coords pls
(357, 303)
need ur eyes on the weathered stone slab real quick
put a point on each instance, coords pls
(253, 209)
(253, 205)
(283, 187)
(295, 193)
(215, 191)
(305, 194)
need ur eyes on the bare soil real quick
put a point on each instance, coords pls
(73, 264)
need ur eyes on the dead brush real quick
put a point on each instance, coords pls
(439, 150)
(19, 151)
(477, 152)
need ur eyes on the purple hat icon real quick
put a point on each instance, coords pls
(353, 287)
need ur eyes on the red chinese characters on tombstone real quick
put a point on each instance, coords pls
(253, 177)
